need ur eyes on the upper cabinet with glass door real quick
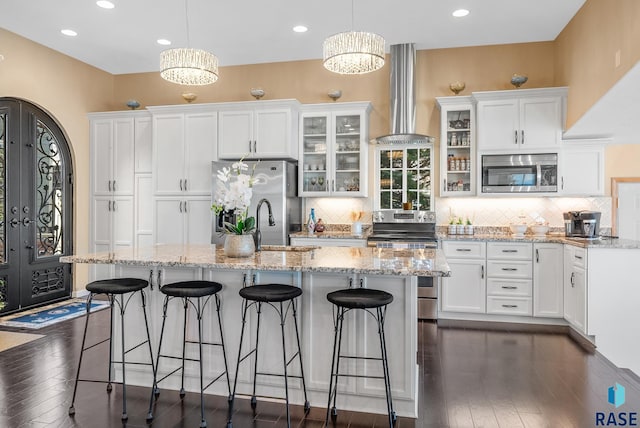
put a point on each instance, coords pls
(404, 176)
(333, 160)
(457, 146)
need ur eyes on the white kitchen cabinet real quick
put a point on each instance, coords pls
(509, 278)
(548, 267)
(112, 228)
(184, 145)
(465, 289)
(327, 242)
(520, 120)
(333, 150)
(179, 220)
(258, 130)
(117, 139)
(457, 146)
(575, 287)
(581, 170)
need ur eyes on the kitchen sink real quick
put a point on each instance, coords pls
(301, 249)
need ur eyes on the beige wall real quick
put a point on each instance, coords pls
(67, 89)
(586, 51)
(585, 56)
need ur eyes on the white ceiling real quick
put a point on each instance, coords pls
(123, 40)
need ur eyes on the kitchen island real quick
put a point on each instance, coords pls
(317, 271)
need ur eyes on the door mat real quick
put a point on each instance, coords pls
(48, 315)
(10, 339)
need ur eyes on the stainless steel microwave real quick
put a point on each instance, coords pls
(521, 173)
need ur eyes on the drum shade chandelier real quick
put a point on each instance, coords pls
(188, 66)
(353, 52)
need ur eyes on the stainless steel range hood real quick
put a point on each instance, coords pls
(403, 98)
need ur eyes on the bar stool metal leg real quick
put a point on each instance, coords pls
(184, 347)
(245, 307)
(284, 360)
(254, 401)
(224, 349)
(111, 315)
(385, 364)
(123, 348)
(307, 406)
(155, 391)
(72, 409)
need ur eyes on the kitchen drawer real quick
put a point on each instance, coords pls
(464, 249)
(509, 287)
(509, 305)
(510, 269)
(579, 257)
(510, 250)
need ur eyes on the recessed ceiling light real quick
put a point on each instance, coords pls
(460, 13)
(105, 4)
(68, 32)
(163, 42)
(300, 29)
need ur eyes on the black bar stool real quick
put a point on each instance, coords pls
(270, 294)
(189, 291)
(113, 288)
(366, 299)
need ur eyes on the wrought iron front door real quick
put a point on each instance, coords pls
(35, 207)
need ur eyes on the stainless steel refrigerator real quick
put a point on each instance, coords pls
(275, 181)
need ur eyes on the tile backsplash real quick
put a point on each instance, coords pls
(503, 211)
(483, 211)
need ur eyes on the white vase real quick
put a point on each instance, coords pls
(452, 229)
(468, 229)
(239, 246)
(460, 229)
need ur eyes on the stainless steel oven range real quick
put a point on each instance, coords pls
(409, 229)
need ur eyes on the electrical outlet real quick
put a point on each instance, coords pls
(617, 58)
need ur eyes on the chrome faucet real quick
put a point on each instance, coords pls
(257, 236)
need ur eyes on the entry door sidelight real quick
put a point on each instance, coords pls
(35, 206)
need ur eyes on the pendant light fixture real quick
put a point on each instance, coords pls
(188, 66)
(353, 52)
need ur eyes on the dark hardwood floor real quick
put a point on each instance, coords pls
(468, 378)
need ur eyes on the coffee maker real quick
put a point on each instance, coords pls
(582, 224)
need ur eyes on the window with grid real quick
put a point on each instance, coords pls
(404, 175)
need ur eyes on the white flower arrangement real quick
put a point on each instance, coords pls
(234, 196)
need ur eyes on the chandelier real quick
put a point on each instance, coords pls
(188, 66)
(353, 52)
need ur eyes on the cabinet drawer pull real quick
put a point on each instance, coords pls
(510, 306)
(509, 287)
(509, 251)
(510, 269)
(463, 249)
(578, 257)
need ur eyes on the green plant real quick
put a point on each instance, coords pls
(468, 222)
(460, 220)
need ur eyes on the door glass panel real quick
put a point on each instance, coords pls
(3, 240)
(49, 173)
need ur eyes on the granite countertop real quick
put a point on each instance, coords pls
(333, 234)
(372, 261)
(551, 238)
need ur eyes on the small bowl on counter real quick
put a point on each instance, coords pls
(539, 229)
(518, 230)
